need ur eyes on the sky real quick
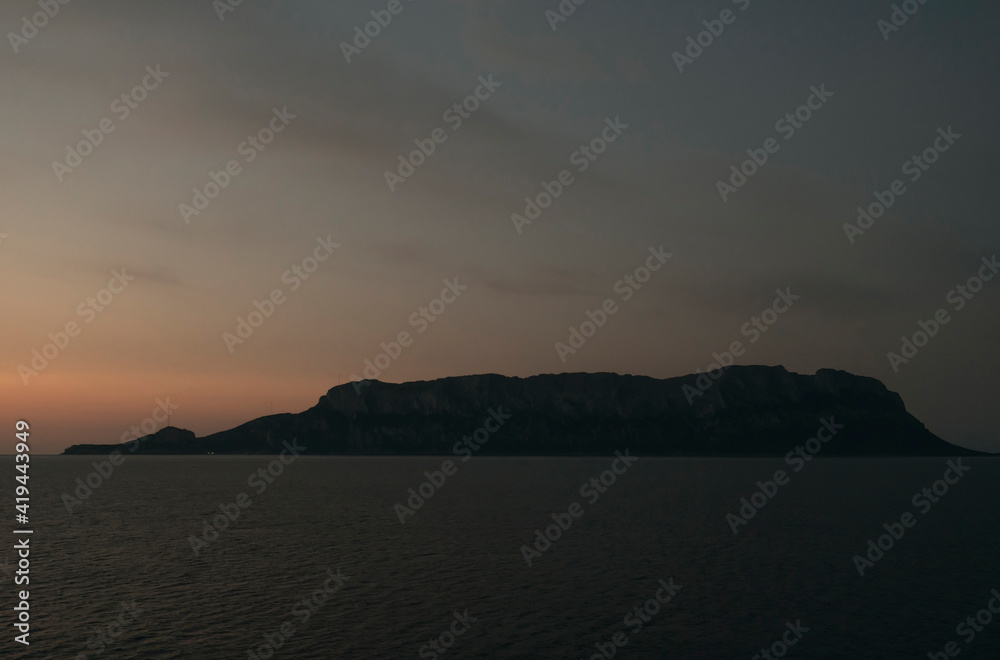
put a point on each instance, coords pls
(256, 162)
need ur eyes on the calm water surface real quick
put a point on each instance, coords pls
(662, 518)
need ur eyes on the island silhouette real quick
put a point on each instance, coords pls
(736, 411)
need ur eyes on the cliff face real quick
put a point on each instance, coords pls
(747, 411)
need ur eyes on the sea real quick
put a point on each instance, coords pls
(243, 557)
